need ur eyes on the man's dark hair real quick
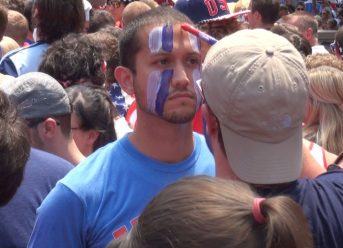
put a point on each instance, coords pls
(268, 9)
(291, 33)
(14, 150)
(93, 106)
(130, 44)
(100, 19)
(3, 20)
(57, 18)
(73, 59)
(28, 13)
(108, 39)
(17, 5)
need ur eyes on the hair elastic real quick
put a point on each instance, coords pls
(256, 210)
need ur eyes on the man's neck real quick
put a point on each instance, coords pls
(161, 140)
(67, 150)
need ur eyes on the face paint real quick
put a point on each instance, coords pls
(197, 90)
(195, 42)
(161, 38)
(158, 90)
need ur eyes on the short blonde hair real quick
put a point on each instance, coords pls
(7, 44)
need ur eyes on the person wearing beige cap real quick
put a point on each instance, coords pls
(255, 86)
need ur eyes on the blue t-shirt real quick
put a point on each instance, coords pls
(322, 202)
(103, 196)
(23, 60)
(42, 171)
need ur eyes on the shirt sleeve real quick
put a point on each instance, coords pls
(60, 221)
(7, 67)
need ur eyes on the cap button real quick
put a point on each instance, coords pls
(270, 51)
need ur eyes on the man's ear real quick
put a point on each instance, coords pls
(309, 34)
(48, 128)
(124, 77)
(92, 136)
(211, 121)
(257, 16)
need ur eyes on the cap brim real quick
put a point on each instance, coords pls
(264, 163)
(224, 17)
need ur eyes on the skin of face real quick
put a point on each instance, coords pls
(80, 136)
(116, 12)
(167, 67)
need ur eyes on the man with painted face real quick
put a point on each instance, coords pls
(102, 197)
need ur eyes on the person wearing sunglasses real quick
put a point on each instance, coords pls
(116, 7)
(300, 7)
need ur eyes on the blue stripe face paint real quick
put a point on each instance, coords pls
(158, 90)
(163, 91)
(161, 38)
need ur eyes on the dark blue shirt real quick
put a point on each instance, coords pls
(42, 171)
(322, 201)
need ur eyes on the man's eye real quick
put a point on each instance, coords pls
(162, 61)
(194, 61)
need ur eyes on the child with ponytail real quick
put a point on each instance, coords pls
(205, 212)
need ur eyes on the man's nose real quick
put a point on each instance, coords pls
(180, 78)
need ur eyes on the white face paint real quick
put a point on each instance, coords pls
(196, 79)
(155, 39)
(161, 39)
(35, 35)
(195, 42)
(153, 87)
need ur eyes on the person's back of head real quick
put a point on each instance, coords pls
(100, 19)
(57, 18)
(151, 3)
(132, 10)
(17, 27)
(14, 149)
(292, 34)
(338, 43)
(17, 5)
(37, 97)
(3, 20)
(202, 212)
(260, 109)
(74, 59)
(7, 44)
(93, 111)
(324, 118)
(321, 59)
(264, 13)
(108, 39)
(306, 24)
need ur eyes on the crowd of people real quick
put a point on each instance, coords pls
(187, 123)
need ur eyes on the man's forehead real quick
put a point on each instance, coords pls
(164, 32)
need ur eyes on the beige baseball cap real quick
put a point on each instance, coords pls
(255, 82)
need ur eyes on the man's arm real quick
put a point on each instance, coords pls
(60, 221)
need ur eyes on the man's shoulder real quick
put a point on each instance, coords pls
(23, 60)
(102, 163)
(50, 161)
